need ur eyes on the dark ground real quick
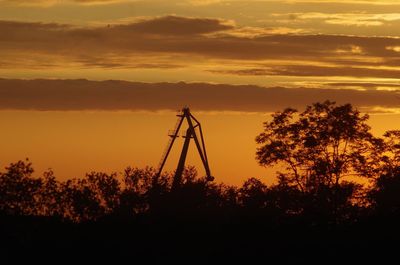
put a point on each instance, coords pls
(171, 241)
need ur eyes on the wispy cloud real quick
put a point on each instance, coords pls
(365, 85)
(47, 3)
(311, 70)
(348, 19)
(204, 2)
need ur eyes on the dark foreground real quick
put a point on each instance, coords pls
(187, 241)
(144, 219)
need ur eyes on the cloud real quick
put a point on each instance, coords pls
(310, 70)
(349, 19)
(254, 32)
(166, 40)
(364, 85)
(98, 1)
(65, 95)
(204, 2)
(47, 3)
(153, 35)
(32, 45)
(174, 25)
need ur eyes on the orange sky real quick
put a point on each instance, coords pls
(176, 53)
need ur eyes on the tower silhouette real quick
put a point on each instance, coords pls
(193, 124)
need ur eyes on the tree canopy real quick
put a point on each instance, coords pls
(319, 146)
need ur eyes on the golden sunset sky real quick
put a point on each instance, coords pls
(94, 85)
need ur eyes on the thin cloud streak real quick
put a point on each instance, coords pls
(309, 70)
(47, 3)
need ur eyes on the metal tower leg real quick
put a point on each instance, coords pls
(181, 165)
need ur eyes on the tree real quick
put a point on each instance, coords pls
(319, 148)
(141, 189)
(384, 195)
(253, 194)
(51, 202)
(107, 189)
(19, 190)
(94, 196)
(391, 158)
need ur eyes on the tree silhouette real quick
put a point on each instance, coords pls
(384, 195)
(253, 194)
(142, 190)
(318, 149)
(391, 157)
(19, 191)
(51, 196)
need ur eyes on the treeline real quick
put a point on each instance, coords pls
(137, 215)
(128, 194)
(139, 192)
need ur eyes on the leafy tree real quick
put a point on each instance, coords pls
(92, 197)
(384, 195)
(106, 188)
(391, 158)
(284, 199)
(193, 189)
(19, 190)
(85, 204)
(319, 148)
(253, 193)
(51, 202)
(143, 190)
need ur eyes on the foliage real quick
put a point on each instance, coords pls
(320, 146)
(322, 151)
(19, 190)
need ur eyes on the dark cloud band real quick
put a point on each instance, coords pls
(82, 94)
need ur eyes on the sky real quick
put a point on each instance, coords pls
(94, 84)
